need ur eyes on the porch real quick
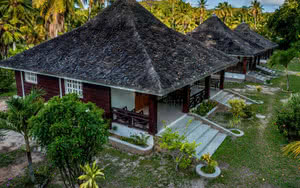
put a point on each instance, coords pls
(150, 113)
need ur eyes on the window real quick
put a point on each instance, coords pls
(30, 77)
(72, 86)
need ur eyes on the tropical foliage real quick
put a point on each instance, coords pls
(284, 58)
(288, 117)
(17, 119)
(90, 176)
(284, 23)
(72, 132)
(178, 147)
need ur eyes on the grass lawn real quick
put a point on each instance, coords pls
(255, 159)
(281, 82)
(294, 66)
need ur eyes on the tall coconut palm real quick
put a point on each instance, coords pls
(9, 34)
(202, 9)
(91, 4)
(255, 10)
(14, 14)
(244, 12)
(54, 13)
(20, 110)
(224, 10)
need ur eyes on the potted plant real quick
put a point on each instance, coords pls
(210, 169)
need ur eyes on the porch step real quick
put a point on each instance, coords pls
(205, 140)
(213, 145)
(180, 125)
(209, 137)
(267, 70)
(258, 77)
(197, 133)
(224, 96)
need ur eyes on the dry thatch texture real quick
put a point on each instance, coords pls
(248, 34)
(126, 47)
(214, 33)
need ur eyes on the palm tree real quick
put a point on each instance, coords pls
(9, 34)
(224, 10)
(284, 58)
(244, 12)
(292, 148)
(90, 176)
(202, 9)
(20, 110)
(13, 14)
(255, 10)
(54, 13)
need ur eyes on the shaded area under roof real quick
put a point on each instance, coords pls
(248, 34)
(214, 33)
(124, 47)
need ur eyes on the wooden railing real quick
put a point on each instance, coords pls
(197, 98)
(131, 118)
(214, 83)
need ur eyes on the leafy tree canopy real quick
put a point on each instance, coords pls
(285, 23)
(72, 133)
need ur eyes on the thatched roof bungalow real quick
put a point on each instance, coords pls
(251, 36)
(214, 33)
(123, 60)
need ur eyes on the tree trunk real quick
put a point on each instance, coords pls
(287, 80)
(29, 158)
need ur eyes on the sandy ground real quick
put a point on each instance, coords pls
(11, 142)
(3, 106)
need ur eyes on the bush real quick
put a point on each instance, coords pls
(237, 107)
(288, 117)
(179, 148)
(249, 111)
(139, 140)
(73, 133)
(6, 79)
(205, 107)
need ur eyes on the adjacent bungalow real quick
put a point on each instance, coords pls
(214, 33)
(125, 61)
(248, 34)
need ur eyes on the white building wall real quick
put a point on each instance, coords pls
(122, 98)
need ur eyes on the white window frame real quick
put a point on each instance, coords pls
(72, 86)
(31, 78)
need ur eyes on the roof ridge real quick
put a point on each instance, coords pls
(146, 52)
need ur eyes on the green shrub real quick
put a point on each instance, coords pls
(6, 79)
(178, 147)
(288, 117)
(73, 132)
(139, 140)
(205, 107)
(249, 111)
(237, 107)
(3, 115)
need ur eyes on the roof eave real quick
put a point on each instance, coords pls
(159, 93)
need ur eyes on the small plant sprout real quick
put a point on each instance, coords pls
(258, 89)
(211, 164)
(90, 176)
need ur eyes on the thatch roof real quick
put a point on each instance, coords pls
(214, 33)
(250, 35)
(124, 47)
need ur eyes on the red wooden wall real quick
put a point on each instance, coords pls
(97, 94)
